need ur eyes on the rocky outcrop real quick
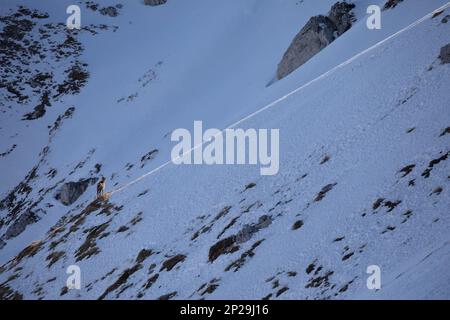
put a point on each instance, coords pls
(318, 33)
(71, 191)
(109, 11)
(26, 218)
(231, 244)
(249, 230)
(445, 54)
(154, 2)
(392, 4)
(342, 17)
(18, 226)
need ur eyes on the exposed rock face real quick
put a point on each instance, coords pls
(231, 244)
(18, 226)
(71, 191)
(315, 35)
(154, 2)
(28, 217)
(250, 229)
(392, 4)
(224, 246)
(341, 16)
(318, 33)
(445, 54)
(31, 48)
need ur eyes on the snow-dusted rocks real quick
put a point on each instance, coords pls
(318, 33)
(28, 217)
(341, 16)
(392, 4)
(71, 191)
(109, 11)
(445, 54)
(154, 2)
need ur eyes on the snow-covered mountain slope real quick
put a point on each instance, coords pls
(364, 153)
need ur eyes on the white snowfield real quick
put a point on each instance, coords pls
(364, 158)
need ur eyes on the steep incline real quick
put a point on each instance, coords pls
(364, 162)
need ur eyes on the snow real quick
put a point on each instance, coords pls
(217, 58)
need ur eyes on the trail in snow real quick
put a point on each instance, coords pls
(293, 92)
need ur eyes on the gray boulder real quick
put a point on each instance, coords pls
(445, 54)
(71, 191)
(249, 230)
(318, 33)
(18, 226)
(154, 2)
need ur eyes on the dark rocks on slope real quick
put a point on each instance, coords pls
(123, 278)
(109, 11)
(168, 296)
(297, 225)
(249, 230)
(172, 262)
(71, 191)
(341, 16)
(445, 54)
(39, 110)
(143, 254)
(392, 4)
(318, 33)
(26, 218)
(30, 49)
(6, 293)
(231, 244)
(224, 246)
(154, 2)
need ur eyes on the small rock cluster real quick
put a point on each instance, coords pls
(154, 2)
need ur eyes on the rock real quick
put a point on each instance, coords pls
(29, 251)
(341, 16)
(39, 110)
(392, 4)
(263, 222)
(318, 33)
(225, 246)
(28, 217)
(445, 54)
(109, 11)
(143, 254)
(315, 35)
(172, 262)
(297, 225)
(148, 157)
(168, 296)
(71, 191)
(249, 230)
(246, 233)
(154, 2)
